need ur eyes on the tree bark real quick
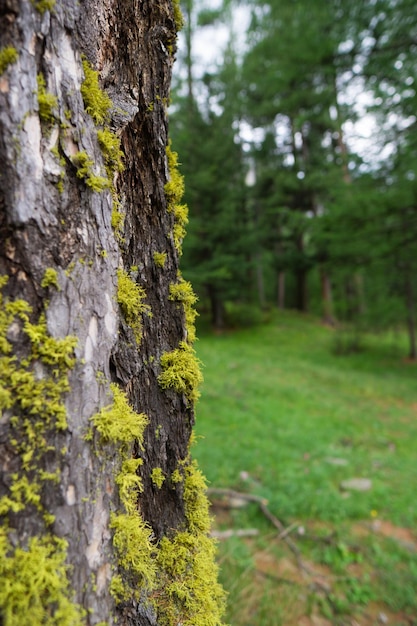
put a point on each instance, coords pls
(281, 290)
(92, 501)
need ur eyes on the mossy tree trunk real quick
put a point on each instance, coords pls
(103, 514)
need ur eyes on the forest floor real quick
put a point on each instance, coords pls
(310, 458)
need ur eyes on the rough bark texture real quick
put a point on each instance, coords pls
(52, 218)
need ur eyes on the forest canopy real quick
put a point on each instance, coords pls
(298, 138)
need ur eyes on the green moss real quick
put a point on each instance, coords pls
(47, 102)
(8, 56)
(50, 279)
(159, 259)
(132, 540)
(118, 422)
(174, 188)
(34, 587)
(178, 16)
(84, 165)
(188, 590)
(43, 5)
(118, 590)
(157, 477)
(181, 371)
(176, 477)
(183, 292)
(110, 147)
(36, 401)
(120, 425)
(174, 191)
(181, 220)
(130, 297)
(117, 217)
(130, 484)
(97, 103)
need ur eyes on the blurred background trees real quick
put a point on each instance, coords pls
(296, 125)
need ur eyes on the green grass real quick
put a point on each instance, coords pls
(277, 404)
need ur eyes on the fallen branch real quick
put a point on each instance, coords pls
(262, 503)
(242, 532)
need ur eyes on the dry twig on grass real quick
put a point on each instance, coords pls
(262, 504)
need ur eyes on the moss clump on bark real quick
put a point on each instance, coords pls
(174, 191)
(112, 153)
(43, 5)
(182, 292)
(160, 259)
(50, 279)
(178, 16)
(34, 585)
(47, 102)
(181, 371)
(84, 165)
(188, 591)
(118, 424)
(157, 477)
(97, 103)
(130, 297)
(8, 56)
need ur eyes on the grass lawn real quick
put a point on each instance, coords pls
(284, 418)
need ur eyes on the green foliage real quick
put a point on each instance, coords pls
(181, 371)
(130, 297)
(47, 102)
(97, 103)
(8, 56)
(84, 165)
(182, 291)
(34, 587)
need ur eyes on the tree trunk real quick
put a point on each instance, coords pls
(301, 290)
(103, 514)
(260, 283)
(326, 297)
(281, 290)
(217, 307)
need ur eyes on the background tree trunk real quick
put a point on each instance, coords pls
(88, 259)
